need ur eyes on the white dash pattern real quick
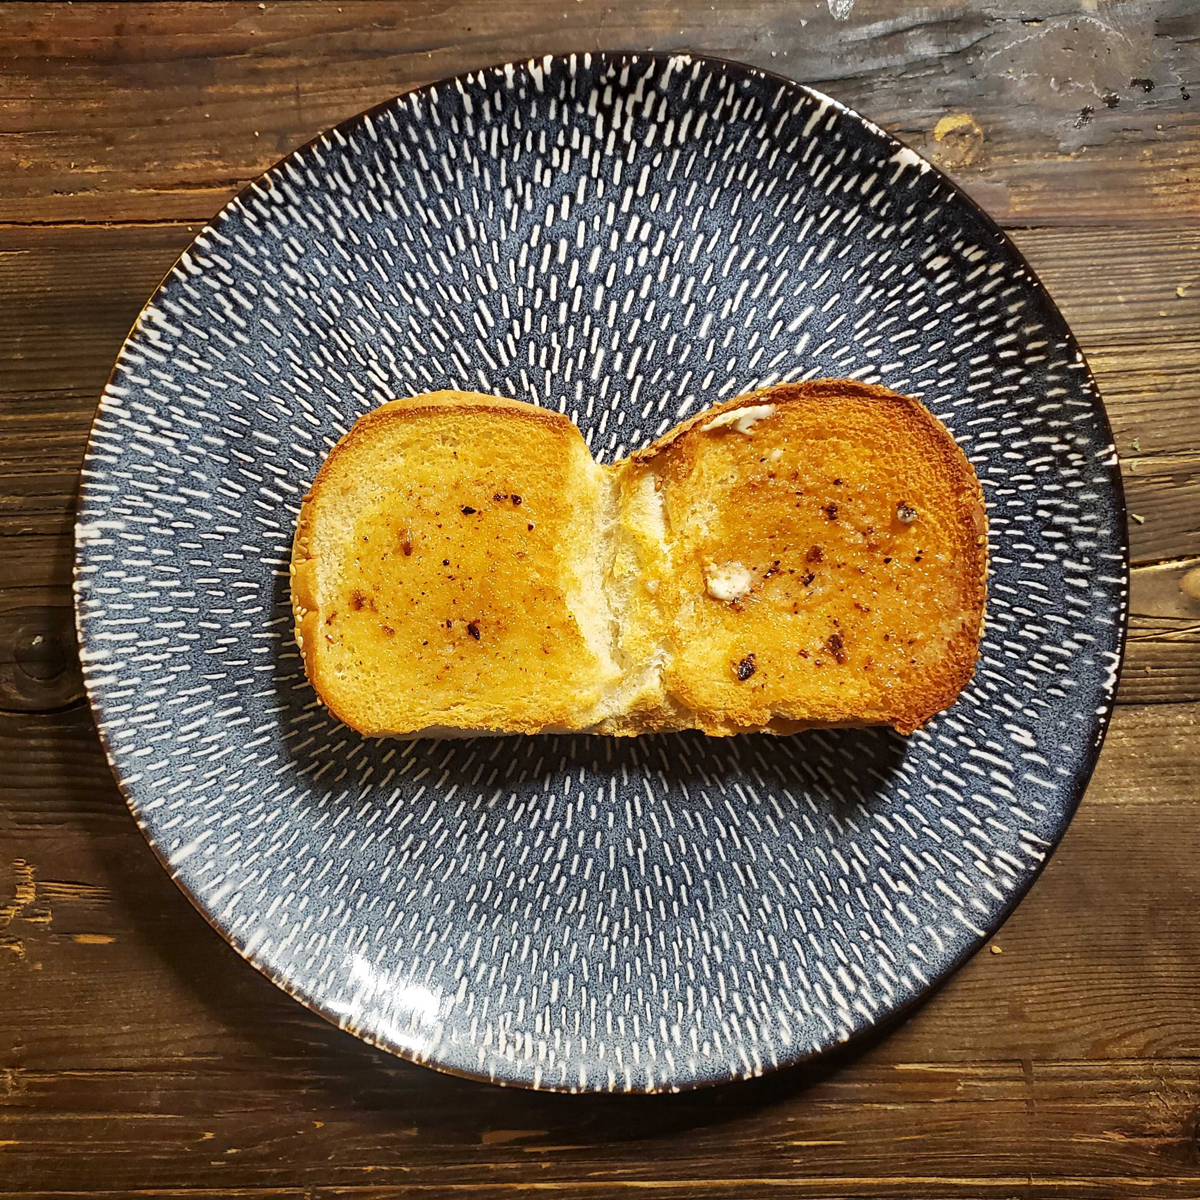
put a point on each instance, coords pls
(624, 239)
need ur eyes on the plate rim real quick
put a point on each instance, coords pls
(886, 1024)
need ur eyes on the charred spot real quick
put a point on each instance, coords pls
(406, 542)
(445, 562)
(473, 630)
(831, 511)
(1085, 116)
(815, 554)
(529, 527)
(745, 668)
(329, 619)
(807, 578)
(1147, 85)
(468, 511)
(516, 499)
(836, 647)
(803, 653)
(837, 483)
(1111, 99)
(888, 559)
(500, 496)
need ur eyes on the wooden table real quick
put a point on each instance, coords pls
(140, 1055)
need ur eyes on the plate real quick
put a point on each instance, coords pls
(626, 239)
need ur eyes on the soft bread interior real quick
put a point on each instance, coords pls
(809, 555)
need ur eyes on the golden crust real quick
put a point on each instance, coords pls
(633, 640)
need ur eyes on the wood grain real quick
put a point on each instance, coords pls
(172, 107)
(70, 296)
(139, 1056)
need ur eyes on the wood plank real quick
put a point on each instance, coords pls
(39, 667)
(162, 111)
(102, 943)
(401, 1125)
(1026, 1186)
(1120, 293)
(1167, 591)
(1162, 653)
(68, 297)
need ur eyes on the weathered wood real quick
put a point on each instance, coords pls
(140, 1056)
(85, 872)
(39, 667)
(171, 107)
(69, 296)
(1086, 1059)
(394, 1125)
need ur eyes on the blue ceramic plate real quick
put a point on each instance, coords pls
(626, 239)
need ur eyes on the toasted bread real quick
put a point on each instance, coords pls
(810, 555)
(825, 561)
(442, 573)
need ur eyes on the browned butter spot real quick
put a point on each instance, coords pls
(836, 647)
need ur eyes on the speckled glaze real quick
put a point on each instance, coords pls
(625, 239)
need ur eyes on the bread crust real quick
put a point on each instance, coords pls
(671, 700)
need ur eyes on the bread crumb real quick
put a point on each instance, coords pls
(775, 455)
(727, 583)
(740, 419)
(1139, 519)
(997, 950)
(652, 586)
